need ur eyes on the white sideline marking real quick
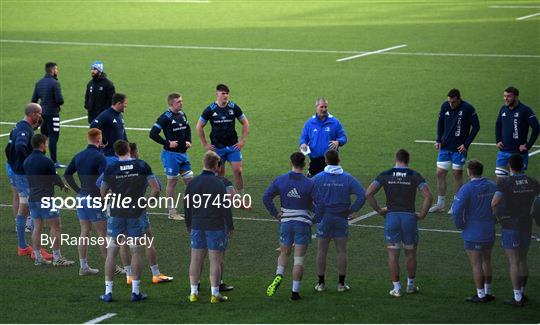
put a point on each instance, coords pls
(73, 119)
(534, 153)
(370, 53)
(514, 7)
(360, 218)
(529, 16)
(100, 318)
(78, 126)
(248, 49)
(475, 143)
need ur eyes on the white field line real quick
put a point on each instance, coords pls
(100, 318)
(475, 143)
(371, 53)
(514, 7)
(528, 16)
(73, 119)
(534, 153)
(360, 218)
(249, 49)
(80, 126)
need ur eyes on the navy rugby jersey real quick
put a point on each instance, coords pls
(129, 178)
(295, 193)
(222, 120)
(111, 124)
(175, 127)
(400, 185)
(518, 194)
(41, 176)
(88, 164)
(512, 127)
(457, 126)
(20, 146)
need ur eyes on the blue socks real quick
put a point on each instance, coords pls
(21, 223)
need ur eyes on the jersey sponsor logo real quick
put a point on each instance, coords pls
(126, 167)
(294, 193)
(399, 174)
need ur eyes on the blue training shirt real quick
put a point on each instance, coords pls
(318, 133)
(111, 124)
(472, 211)
(457, 126)
(295, 193)
(400, 185)
(89, 164)
(222, 120)
(333, 189)
(512, 127)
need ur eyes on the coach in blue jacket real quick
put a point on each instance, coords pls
(321, 132)
(47, 91)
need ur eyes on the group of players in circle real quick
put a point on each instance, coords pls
(323, 197)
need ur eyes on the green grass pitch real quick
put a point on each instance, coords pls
(385, 102)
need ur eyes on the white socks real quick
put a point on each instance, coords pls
(441, 200)
(410, 282)
(480, 293)
(487, 288)
(108, 287)
(135, 286)
(397, 286)
(215, 291)
(296, 286)
(56, 254)
(195, 289)
(280, 269)
(518, 295)
(155, 270)
(84, 263)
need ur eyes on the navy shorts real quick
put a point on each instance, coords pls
(215, 240)
(294, 232)
(515, 239)
(401, 227)
(333, 227)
